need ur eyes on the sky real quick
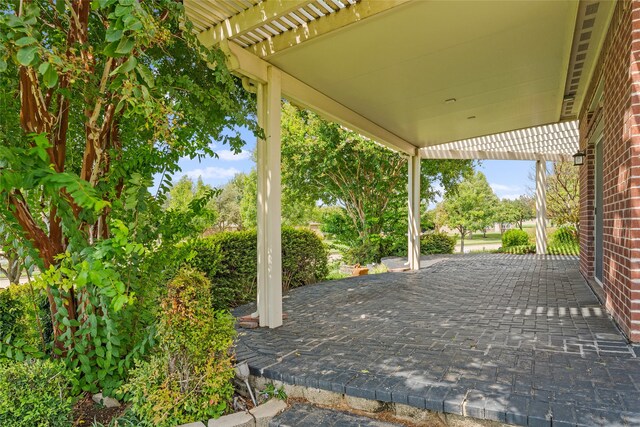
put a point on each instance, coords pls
(508, 178)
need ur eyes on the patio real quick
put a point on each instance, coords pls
(517, 339)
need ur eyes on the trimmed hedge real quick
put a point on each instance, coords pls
(515, 237)
(229, 260)
(437, 243)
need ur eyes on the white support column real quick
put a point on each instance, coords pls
(414, 212)
(541, 207)
(269, 202)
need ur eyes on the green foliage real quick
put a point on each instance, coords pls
(189, 377)
(270, 391)
(228, 203)
(326, 162)
(100, 348)
(565, 235)
(564, 249)
(515, 237)
(184, 193)
(295, 211)
(128, 419)
(437, 243)
(11, 312)
(24, 320)
(470, 207)
(515, 211)
(129, 91)
(35, 393)
(304, 258)
(229, 260)
(563, 195)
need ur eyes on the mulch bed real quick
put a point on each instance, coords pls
(87, 411)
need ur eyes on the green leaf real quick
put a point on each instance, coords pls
(145, 74)
(129, 65)
(125, 46)
(3, 65)
(110, 49)
(25, 41)
(122, 10)
(26, 55)
(113, 34)
(50, 76)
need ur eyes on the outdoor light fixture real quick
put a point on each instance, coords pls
(578, 158)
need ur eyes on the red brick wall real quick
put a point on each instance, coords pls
(620, 65)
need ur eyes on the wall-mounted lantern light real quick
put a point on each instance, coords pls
(578, 158)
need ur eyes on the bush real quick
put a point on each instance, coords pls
(35, 393)
(304, 258)
(229, 260)
(437, 243)
(565, 235)
(515, 237)
(189, 378)
(24, 314)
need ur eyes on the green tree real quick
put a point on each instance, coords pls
(470, 207)
(184, 193)
(563, 195)
(515, 211)
(98, 97)
(325, 162)
(228, 203)
(295, 212)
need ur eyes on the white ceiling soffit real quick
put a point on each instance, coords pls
(507, 65)
(558, 141)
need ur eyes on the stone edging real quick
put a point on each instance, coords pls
(256, 417)
(363, 406)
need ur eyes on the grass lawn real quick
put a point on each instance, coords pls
(477, 239)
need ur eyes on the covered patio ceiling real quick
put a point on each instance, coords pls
(416, 74)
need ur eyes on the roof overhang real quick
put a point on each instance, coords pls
(418, 74)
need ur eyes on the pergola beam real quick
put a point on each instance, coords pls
(322, 26)
(252, 18)
(434, 153)
(247, 64)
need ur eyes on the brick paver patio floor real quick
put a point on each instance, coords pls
(518, 339)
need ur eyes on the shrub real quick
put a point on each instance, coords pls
(437, 243)
(565, 235)
(304, 258)
(229, 260)
(189, 378)
(24, 314)
(35, 393)
(515, 237)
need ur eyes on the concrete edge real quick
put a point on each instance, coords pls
(373, 408)
(256, 417)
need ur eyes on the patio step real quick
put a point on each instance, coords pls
(304, 414)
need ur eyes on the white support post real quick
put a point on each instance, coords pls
(269, 202)
(541, 207)
(414, 212)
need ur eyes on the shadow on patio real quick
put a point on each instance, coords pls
(517, 339)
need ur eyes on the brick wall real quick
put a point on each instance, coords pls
(620, 65)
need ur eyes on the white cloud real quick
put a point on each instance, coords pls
(503, 187)
(231, 156)
(510, 196)
(211, 172)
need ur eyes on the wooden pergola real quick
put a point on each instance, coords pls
(430, 79)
